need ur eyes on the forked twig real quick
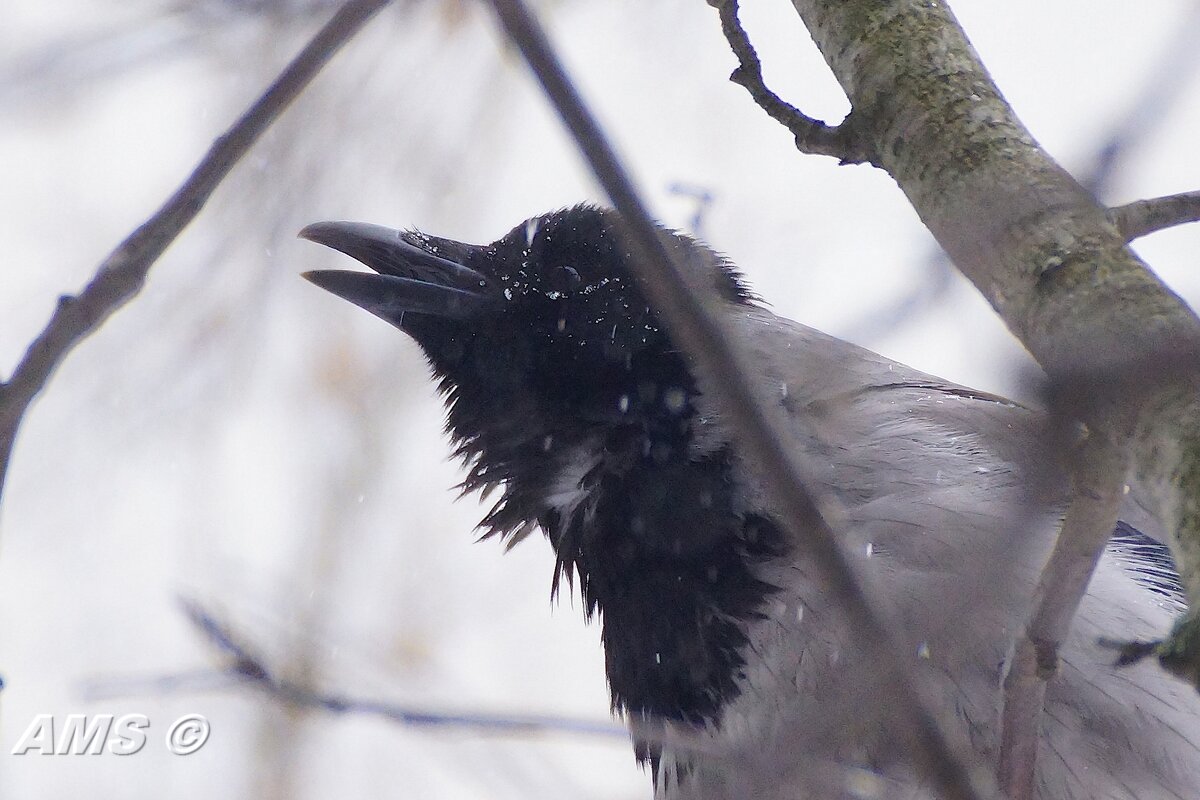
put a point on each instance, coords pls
(813, 136)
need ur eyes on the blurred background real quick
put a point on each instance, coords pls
(237, 437)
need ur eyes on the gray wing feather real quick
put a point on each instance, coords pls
(953, 511)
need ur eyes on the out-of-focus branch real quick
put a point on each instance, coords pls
(696, 329)
(1099, 467)
(1169, 79)
(247, 668)
(843, 142)
(122, 274)
(1147, 216)
(702, 197)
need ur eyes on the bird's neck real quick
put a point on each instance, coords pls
(656, 540)
(654, 532)
(660, 550)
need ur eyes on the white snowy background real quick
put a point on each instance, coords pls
(238, 437)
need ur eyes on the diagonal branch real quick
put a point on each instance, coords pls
(1160, 91)
(246, 667)
(122, 274)
(843, 142)
(1099, 467)
(759, 431)
(1147, 216)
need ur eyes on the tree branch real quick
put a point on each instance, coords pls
(1048, 259)
(813, 136)
(247, 668)
(1177, 60)
(1147, 216)
(123, 273)
(758, 428)
(1099, 469)
(1016, 223)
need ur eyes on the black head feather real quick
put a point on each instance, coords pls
(566, 393)
(562, 339)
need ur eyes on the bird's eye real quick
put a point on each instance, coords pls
(564, 278)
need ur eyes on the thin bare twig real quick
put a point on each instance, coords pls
(1098, 470)
(248, 669)
(122, 274)
(813, 136)
(1147, 216)
(759, 431)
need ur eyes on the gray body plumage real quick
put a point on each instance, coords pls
(935, 481)
(723, 644)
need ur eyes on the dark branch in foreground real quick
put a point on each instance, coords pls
(1098, 466)
(758, 430)
(121, 276)
(1147, 216)
(246, 668)
(843, 142)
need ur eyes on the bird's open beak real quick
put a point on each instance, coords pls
(414, 275)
